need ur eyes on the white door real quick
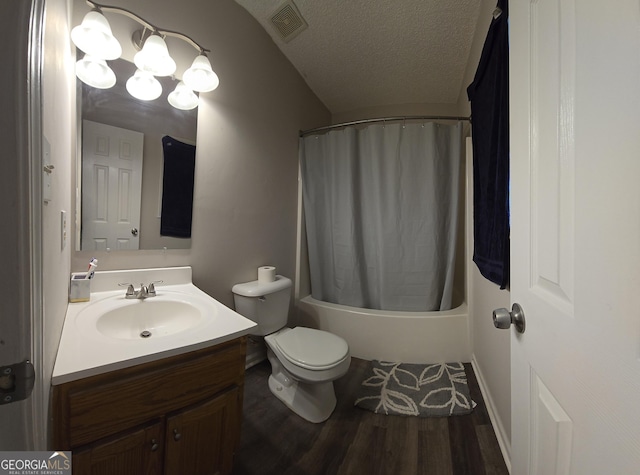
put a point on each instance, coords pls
(575, 190)
(22, 422)
(111, 187)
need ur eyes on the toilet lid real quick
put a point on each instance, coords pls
(312, 349)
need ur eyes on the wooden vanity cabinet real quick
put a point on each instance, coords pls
(202, 439)
(179, 415)
(138, 451)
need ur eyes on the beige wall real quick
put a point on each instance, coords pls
(491, 347)
(401, 110)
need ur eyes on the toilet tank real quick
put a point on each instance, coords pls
(265, 303)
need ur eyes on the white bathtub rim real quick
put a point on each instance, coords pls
(408, 337)
(457, 311)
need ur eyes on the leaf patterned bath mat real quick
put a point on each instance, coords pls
(432, 390)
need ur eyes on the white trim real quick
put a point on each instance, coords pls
(33, 197)
(496, 422)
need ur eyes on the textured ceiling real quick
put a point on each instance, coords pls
(365, 53)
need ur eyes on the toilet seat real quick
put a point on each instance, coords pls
(311, 349)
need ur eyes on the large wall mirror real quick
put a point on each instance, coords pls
(137, 128)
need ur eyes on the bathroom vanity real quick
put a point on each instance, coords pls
(178, 415)
(149, 386)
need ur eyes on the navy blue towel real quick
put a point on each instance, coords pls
(489, 96)
(177, 188)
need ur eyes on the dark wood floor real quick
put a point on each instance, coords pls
(354, 441)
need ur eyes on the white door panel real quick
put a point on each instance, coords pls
(111, 187)
(575, 163)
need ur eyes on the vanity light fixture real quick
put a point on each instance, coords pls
(183, 98)
(200, 77)
(95, 72)
(94, 37)
(154, 57)
(142, 85)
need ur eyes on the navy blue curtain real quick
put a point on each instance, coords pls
(489, 96)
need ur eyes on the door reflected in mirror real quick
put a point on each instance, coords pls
(122, 165)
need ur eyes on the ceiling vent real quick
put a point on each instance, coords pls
(288, 21)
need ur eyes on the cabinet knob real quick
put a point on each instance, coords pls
(154, 445)
(176, 435)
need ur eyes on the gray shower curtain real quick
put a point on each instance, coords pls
(381, 211)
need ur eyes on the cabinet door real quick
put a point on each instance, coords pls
(202, 440)
(138, 452)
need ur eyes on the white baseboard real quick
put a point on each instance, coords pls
(496, 422)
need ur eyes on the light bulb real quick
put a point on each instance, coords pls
(93, 36)
(200, 77)
(183, 98)
(154, 57)
(142, 85)
(95, 72)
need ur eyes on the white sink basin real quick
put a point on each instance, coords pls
(169, 313)
(111, 332)
(148, 318)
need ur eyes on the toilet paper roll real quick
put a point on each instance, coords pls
(266, 274)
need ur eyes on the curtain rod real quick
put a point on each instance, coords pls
(381, 119)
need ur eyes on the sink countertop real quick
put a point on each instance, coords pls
(84, 352)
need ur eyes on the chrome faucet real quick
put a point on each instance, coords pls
(144, 292)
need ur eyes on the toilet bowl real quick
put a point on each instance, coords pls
(303, 372)
(304, 361)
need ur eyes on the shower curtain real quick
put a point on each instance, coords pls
(381, 214)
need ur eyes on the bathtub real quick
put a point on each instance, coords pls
(408, 337)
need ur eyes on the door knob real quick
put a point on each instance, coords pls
(134, 231)
(503, 318)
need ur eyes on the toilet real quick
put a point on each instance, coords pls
(304, 361)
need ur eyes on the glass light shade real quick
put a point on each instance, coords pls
(95, 72)
(142, 85)
(183, 98)
(93, 36)
(154, 57)
(200, 77)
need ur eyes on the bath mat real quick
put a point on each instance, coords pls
(432, 390)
